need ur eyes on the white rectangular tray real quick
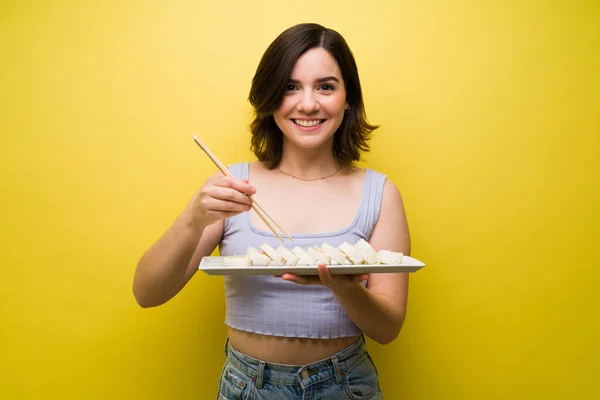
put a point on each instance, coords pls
(215, 266)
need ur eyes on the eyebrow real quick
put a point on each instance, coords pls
(320, 80)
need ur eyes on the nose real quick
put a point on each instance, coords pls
(309, 102)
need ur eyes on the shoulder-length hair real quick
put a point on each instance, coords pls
(269, 85)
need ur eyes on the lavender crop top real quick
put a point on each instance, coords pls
(271, 306)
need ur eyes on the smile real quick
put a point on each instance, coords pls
(308, 123)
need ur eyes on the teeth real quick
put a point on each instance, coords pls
(306, 123)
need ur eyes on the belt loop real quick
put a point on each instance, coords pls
(336, 369)
(225, 348)
(259, 374)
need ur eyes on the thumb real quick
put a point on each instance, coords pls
(360, 278)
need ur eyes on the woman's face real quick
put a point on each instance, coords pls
(313, 105)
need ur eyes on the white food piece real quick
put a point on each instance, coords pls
(390, 257)
(362, 244)
(370, 256)
(238, 261)
(354, 256)
(257, 257)
(334, 253)
(289, 257)
(303, 257)
(318, 256)
(272, 253)
(367, 251)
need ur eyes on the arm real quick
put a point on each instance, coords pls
(380, 308)
(170, 263)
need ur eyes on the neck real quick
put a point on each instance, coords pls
(308, 163)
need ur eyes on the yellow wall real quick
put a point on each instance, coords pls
(490, 126)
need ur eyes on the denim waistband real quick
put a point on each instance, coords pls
(305, 375)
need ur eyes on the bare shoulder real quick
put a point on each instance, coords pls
(391, 195)
(391, 230)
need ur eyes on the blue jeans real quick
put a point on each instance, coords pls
(349, 374)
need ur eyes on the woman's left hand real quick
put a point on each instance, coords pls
(334, 282)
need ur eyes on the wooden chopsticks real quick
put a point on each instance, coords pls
(255, 206)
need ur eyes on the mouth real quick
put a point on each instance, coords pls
(308, 123)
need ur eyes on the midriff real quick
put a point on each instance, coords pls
(286, 350)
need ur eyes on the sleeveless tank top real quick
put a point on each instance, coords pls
(268, 305)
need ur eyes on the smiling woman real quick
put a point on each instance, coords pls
(295, 336)
(314, 70)
(313, 107)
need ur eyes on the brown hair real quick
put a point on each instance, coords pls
(269, 85)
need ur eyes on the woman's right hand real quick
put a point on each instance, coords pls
(220, 197)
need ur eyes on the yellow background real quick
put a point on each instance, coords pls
(490, 127)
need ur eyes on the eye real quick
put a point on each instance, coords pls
(327, 87)
(290, 87)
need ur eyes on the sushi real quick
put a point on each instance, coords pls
(360, 253)
(352, 254)
(318, 255)
(289, 257)
(367, 251)
(238, 261)
(303, 257)
(334, 253)
(257, 257)
(389, 257)
(272, 253)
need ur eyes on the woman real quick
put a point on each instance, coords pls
(293, 337)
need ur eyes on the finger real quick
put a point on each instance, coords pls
(218, 215)
(240, 186)
(228, 194)
(301, 279)
(225, 206)
(324, 274)
(359, 278)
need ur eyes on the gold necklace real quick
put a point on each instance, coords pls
(310, 180)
